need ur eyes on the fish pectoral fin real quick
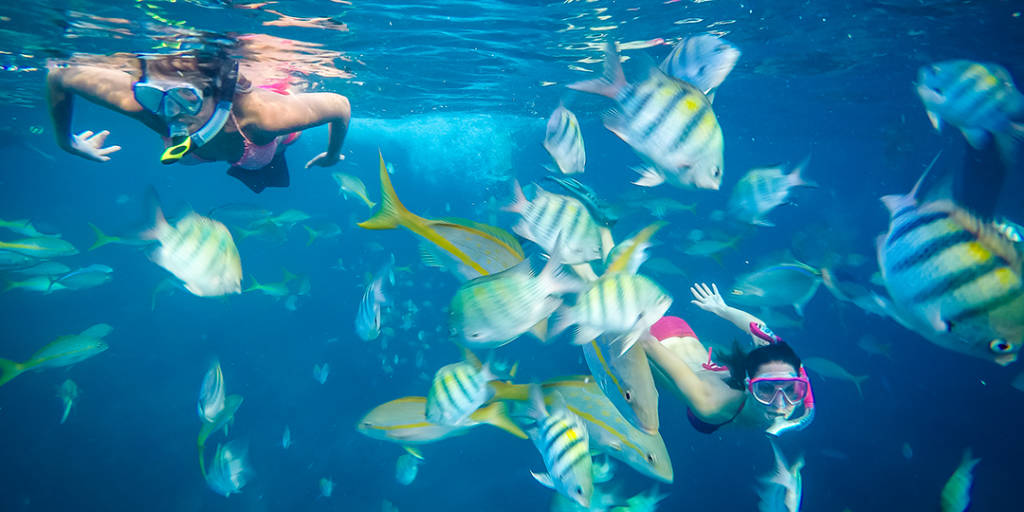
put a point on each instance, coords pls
(649, 177)
(412, 450)
(976, 137)
(544, 479)
(935, 120)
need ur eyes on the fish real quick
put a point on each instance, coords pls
(978, 98)
(564, 142)
(41, 247)
(321, 230)
(622, 306)
(166, 286)
(68, 393)
(609, 431)
(223, 419)
(783, 284)
(710, 248)
(199, 251)
(762, 190)
(63, 351)
(847, 289)
(51, 269)
(406, 468)
(276, 290)
(874, 346)
(670, 123)
(703, 61)
(240, 214)
(563, 442)
(477, 249)
(368, 322)
(457, 391)
(626, 380)
(955, 495)
(41, 284)
(264, 231)
(599, 209)
(326, 487)
(602, 471)
(952, 277)
(286, 438)
(349, 185)
(404, 421)
(552, 217)
(85, 277)
(211, 393)
(286, 219)
(24, 227)
(665, 267)
(643, 502)
(827, 368)
(491, 311)
(320, 372)
(782, 490)
(10, 260)
(907, 451)
(661, 207)
(627, 256)
(230, 470)
(105, 239)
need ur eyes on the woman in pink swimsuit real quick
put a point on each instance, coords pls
(202, 107)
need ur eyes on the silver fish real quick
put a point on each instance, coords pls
(564, 141)
(703, 61)
(762, 190)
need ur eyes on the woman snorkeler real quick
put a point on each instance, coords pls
(204, 109)
(766, 388)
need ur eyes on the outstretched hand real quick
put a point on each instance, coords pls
(323, 160)
(707, 299)
(89, 145)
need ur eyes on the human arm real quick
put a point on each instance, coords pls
(699, 395)
(107, 88)
(710, 300)
(269, 114)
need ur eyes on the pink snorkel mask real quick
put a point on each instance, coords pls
(781, 426)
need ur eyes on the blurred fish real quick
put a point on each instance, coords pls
(85, 277)
(40, 284)
(908, 452)
(602, 500)
(349, 185)
(41, 247)
(10, 260)
(599, 209)
(626, 379)
(320, 372)
(956, 493)
(710, 248)
(492, 310)
(643, 502)
(667, 121)
(63, 351)
(627, 256)
(211, 393)
(874, 346)
(662, 266)
(105, 239)
(562, 440)
(286, 438)
(275, 290)
(457, 391)
(1011, 230)
(267, 231)
(387, 506)
(326, 487)
(25, 228)
(827, 368)
(661, 207)
(51, 269)
(229, 470)
(368, 323)
(222, 421)
(404, 421)
(552, 217)
(406, 468)
(321, 230)
(762, 190)
(564, 141)
(68, 393)
(952, 277)
(165, 286)
(602, 471)
(847, 289)
(470, 249)
(239, 214)
(782, 491)
(620, 305)
(287, 219)
(977, 98)
(703, 61)
(782, 284)
(198, 251)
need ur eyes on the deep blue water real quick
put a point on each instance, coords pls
(819, 78)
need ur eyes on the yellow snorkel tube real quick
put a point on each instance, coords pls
(184, 142)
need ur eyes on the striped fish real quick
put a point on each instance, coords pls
(550, 216)
(619, 305)
(669, 122)
(457, 391)
(492, 310)
(199, 251)
(762, 190)
(562, 440)
(211, 393)
(368, 317)
(978, 98)
(952, 277)
(703, 61)
(564, 141)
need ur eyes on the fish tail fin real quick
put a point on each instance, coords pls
(508, 391)
(159, 221)
(254, 286)
(312, 235)
(496, 415)
(392, 212)
(649, 177)
(10, 285)
(796, 178)
(613, 80)
(856, 382)
(9, 370)
(101, 238)
(519, 201)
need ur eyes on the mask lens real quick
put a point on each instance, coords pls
(765, 391)
(186, 99)
(149, 97)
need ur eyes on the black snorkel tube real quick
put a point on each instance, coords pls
(225, 84)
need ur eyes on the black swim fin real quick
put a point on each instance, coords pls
(275, 174)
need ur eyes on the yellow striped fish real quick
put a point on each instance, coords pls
(669, 122)
(953, 278)
(199, 251)
(550, 217)
(564, 141)
(457, 391)
(563, 442)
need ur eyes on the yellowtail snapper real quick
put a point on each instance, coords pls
(63, 351)
(404, 421)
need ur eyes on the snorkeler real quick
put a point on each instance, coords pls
(203, 108)
(766, 388)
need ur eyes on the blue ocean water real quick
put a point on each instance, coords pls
(455, 95)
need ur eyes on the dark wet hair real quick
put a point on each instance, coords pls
(209, 64)
(746, 364)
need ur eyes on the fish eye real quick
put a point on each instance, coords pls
(650, 458)
(579, 490)
(628, 396)
(716, 172)
(1000, 346)
(475, 335)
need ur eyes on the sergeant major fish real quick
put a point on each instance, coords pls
(564, 141)
(457, 391)
(703, 61)
(550, 217)
(762, 190)
(561, 438)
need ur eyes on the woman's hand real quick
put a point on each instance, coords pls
(324, 160)
(89, 145)
(708, 299)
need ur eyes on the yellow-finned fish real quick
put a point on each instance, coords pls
(564, 141)
(478, 249)
(956, 493)
(41, 247)
(952, 277)
(199, 251)
(221, 421)
(626, 379)
(404, 421)
(63, 351)
(348, 184)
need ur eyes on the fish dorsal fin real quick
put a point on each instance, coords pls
(414, 451)
(97, 331)
(471, 358)
(623, 258)
(986, 232)
(925, 191)
(495, 233)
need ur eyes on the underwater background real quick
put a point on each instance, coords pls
(455, 95)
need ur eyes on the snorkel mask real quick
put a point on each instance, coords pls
(172, 100)
(794, 390)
